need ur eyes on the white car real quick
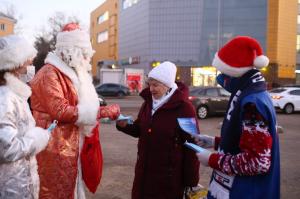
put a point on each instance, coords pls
(286, 98)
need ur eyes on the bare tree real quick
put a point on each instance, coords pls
(46, 40)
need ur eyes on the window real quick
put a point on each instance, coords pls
(295, 92)
(103, 17)
(212, 92)
(298, 43)
(128, 3)
(224, 92)
(2, 26)
(102, 36)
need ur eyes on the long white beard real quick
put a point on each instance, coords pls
(74, 57)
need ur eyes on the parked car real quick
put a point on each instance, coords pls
(102, 101)
(286, 99)
(112, 89)
(209, 100)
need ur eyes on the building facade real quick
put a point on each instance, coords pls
(104, 35)
(7, 25)
(189, 33)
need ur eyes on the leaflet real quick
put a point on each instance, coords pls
(188, 125)
(124, 117)
(52, 125)
(194, 147)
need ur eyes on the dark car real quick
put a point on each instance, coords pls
(209, 100)
(112, 89)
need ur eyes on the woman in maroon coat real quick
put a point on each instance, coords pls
(164, 166)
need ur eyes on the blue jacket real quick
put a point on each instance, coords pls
(250, 88)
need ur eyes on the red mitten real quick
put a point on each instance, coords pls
(111, 111)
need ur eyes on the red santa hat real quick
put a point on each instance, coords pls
(239, 55)
(72, 36)
(14, 52)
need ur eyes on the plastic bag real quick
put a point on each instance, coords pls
(198, 192)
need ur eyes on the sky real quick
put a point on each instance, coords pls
(32, 15)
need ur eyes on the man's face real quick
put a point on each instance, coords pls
(157, 88)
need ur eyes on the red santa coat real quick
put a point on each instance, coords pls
(164, 166)
(55, 96)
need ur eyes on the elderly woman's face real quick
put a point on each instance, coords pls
(157, 88)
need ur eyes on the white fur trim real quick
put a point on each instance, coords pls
(17, 86)
(54, 60)
(14, 52)
(261, 61)
(229, 70)
(40, 138)
(75, 38)
(34, 177)
(88, 104)
(79, 186)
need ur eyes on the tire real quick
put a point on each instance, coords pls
(288, 108)
(120, 94)
(202, 112)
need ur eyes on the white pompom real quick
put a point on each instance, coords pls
(261, 61)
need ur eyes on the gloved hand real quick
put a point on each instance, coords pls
(204, 141)
(203, 156)
(110, 111)
(40, 138)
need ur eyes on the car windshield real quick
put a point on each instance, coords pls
(277, 90)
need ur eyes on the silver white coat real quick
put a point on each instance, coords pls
(20, 141)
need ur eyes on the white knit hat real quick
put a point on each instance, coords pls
(72, 36)
(164, 73)
(14, 52)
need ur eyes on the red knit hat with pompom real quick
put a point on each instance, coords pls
(239, 55)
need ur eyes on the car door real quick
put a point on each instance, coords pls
(295, 98)
(214, 99)
(111, 89)
(102, 90)
(224, 96)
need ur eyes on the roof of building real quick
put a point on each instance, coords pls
(2, 15)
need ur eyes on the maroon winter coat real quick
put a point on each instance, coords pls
(164, 166)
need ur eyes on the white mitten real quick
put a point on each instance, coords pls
(203, 156)
(204, 141)
(40, 138)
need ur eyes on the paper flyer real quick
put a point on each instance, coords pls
(123, 117)
(188, 125)
(194, 147)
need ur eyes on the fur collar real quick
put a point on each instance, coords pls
(17, 86)
(54, 60)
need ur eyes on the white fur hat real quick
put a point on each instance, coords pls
(72, 36)
(164, 73)
(14, 52)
